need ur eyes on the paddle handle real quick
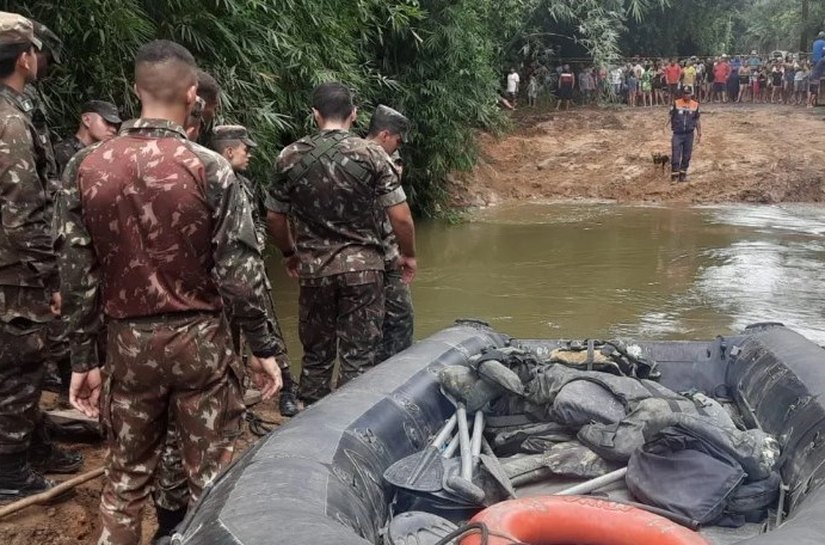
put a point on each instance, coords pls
(445, 433)
(594, 484)
(452, 446)
(475, 444)
(464, 443)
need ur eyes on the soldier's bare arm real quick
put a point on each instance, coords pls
(278, 206)
(281, 234)
(404, 229)
(392, 197)
(23, 207)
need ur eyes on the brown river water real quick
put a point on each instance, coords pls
(591, 270)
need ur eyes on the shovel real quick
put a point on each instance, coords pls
(462, 486)
(490, 462)
(422, 471)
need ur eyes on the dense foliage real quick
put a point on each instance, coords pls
(442, 63)
(712, 27)
(430, 60)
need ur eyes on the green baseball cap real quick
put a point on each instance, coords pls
(16, 29)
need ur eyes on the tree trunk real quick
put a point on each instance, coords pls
(803, 38)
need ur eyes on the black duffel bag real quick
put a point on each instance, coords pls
(689, 474)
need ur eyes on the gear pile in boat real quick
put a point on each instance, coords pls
(584, 410)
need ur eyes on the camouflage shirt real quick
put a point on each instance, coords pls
(388, 239)
(149, 223)
(65, 150)
(44, 142)
(26, 254)
(256, 197)
(334, 202)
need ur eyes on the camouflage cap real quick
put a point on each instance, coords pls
(51, 43)
(386, 117)
(106, 110)
(16, 29)
(222, 133)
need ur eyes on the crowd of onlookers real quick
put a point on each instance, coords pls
(780, 79)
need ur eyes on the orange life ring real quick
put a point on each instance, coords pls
(580, 520)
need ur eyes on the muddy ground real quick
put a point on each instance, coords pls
(749, 153)
(73, 519)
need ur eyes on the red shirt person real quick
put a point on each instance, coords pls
(673, 73)
(721, 71)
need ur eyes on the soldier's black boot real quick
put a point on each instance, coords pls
(288, 402)
(18, 479)
(167, 522)
(51, 459)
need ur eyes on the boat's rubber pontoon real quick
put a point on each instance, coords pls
(319, 479)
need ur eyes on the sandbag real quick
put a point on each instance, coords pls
(463, 384)
(582, 402)
(495, 372)
(683, 474)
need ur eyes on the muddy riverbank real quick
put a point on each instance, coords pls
(750, 153)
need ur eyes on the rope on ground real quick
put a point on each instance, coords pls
(257, 425)
(51, 493)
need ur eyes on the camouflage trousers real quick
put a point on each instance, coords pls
(397, 331)
(171, 491)
(22, 355)
(339, 315)
(180, 369)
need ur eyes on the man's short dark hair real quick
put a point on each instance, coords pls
(9, 55)
(333, 100)
(208, 88)
(165, 70)
(220, 146)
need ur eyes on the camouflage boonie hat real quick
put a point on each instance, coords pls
(51, 43)
(393, 119)
(222, 133)
(106, 110)
(16, 29)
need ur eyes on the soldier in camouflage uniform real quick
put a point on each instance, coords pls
(388, 129)
(156, 232)
(99, 120)
(171, 490)
(330, 186)
(43, 454)
(58, 368)
(234, 143)
(28, 274)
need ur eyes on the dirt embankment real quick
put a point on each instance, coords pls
(749, 153)
(74, 518)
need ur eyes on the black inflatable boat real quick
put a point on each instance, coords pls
(318, 479)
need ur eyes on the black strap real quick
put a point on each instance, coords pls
(327, 146)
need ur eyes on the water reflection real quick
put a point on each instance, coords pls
(603, 270)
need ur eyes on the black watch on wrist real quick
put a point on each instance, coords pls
(289, 253)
